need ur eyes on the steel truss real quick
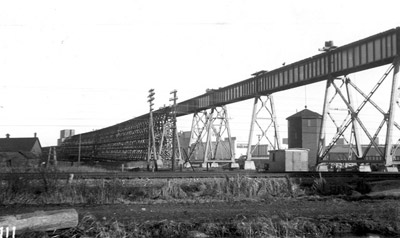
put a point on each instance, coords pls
(264, 105)
(211, 125)
(163, 148)
(354, 121)
(169, 148)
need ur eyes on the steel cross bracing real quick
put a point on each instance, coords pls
(386, 154)
(197, 134)
(207, 137)
(166, 146)
(264, 106)
(218, 126)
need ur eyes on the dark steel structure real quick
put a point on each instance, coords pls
(128, 140)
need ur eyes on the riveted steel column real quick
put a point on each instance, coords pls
(228, 129)
(253, 121)
(325, 113)
(394, 99)
(275, 122)
(209, 134)
(355, 124)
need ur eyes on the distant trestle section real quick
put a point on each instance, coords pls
(127, 141)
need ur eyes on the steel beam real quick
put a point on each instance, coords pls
(394, 99)
(325, 115)
(355, 127)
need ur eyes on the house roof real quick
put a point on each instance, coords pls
(17, 144)
(5, 156)
(305, 114)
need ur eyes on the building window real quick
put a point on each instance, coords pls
(308, 122)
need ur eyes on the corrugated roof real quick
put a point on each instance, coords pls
(306, 114)
(17, 144)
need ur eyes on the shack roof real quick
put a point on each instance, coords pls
(305, 114)
(17, 144)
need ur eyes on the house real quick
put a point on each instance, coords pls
(20, 152)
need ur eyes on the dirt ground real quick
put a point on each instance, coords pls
(381, 212)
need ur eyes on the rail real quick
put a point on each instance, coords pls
(198, 174)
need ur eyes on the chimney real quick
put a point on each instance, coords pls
(7, 135)
(34, 135)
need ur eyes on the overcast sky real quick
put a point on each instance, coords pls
(87, 65)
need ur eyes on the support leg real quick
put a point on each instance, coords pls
(355, 126)
(325, 112)
(394, 99)
(253, 121)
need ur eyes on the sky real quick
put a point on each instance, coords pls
(86, 65)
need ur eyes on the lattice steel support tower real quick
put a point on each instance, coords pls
(357, 125)
(197, 134)
(212, 124)
(169, 148)
(264, 105)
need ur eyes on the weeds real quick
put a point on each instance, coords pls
(89, 226)
(362, 187)
(53, 190)
(320, 186)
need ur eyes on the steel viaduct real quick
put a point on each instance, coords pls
(152, 137)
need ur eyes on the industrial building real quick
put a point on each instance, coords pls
(303, 131)
(64, 134)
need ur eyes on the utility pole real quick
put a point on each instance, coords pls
(79, 150)
(152, 153)
(174, 98)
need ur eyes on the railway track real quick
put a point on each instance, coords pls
(200, 174)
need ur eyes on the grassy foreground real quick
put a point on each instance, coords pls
(257, 227)
(51, 190)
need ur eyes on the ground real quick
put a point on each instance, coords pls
(379, 216)
(216, 207)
